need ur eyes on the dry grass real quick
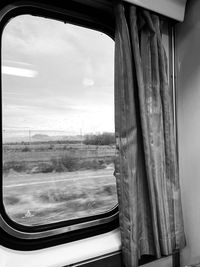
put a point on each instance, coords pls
(44, 184)
(36, 204)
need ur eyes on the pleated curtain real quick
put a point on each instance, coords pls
(146, 168)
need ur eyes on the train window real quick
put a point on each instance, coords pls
(57, 121)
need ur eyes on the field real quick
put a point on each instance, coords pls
(49, 182)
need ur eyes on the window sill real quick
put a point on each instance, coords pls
(65, 254)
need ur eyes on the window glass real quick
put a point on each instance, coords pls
(57, 121)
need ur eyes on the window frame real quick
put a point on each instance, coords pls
(21, 237)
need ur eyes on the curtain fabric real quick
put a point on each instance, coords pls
(146, 168)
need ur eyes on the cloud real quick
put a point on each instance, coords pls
(29, 35)
(74, 85)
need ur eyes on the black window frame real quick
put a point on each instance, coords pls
(99, 17)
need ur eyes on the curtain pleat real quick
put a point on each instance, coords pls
(126, 134)
(146, 170)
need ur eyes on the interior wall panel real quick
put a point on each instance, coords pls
(188, 97)
(171, 8)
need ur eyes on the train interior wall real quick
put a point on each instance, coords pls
(188, 107)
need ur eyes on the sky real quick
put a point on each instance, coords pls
(56, 77)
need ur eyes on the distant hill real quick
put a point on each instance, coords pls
(23, 136)
(41, 137)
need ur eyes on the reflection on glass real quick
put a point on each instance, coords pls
(58, 121)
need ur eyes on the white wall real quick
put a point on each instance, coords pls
(188, 86)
